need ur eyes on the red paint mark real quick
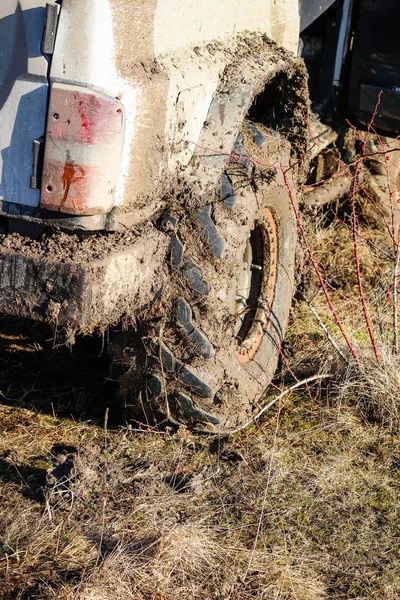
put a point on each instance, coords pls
(69, 177)
(85, 121)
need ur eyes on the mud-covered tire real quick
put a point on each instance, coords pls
(205, 365)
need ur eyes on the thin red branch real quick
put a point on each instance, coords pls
(355, 240)
(316, 268)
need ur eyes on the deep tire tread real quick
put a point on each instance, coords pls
(184, 383)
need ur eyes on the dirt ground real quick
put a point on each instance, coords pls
(302, 505)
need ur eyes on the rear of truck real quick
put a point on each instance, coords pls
(151, 162)
(101, 106)
(130, 134)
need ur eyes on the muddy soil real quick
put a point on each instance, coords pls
(62, 247)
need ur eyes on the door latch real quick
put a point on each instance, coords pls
(50, 28)
(37, 165)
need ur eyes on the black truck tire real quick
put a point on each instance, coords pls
(212, 345)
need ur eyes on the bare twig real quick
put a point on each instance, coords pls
(280, 396)
(325, 330)
(355, 241)
(358, 271)
(105, 428)
(395, 301)
(316, 269)
(261, 518)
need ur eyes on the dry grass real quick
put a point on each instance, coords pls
(170, 518)
(375, 389)
(303, 507)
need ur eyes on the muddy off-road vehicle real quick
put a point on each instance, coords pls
(145, 181)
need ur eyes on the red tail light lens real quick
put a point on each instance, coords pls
(82, 151)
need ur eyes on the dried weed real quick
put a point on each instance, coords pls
(164, 517)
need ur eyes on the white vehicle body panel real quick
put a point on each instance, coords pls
(161, 59)
(115, 36)
(23, 96)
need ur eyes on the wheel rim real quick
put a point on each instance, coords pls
(256, 286)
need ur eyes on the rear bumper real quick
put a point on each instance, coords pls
(43, 217)
(116, 220)
(82, 285)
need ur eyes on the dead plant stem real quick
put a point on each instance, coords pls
(325, 330)
(358, 270)
(105, 429)
(280, 396)
(395, 300)
(264, 502)
(316, 268)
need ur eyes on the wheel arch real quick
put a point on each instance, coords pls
(246, 85)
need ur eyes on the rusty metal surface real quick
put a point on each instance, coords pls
(248, 348)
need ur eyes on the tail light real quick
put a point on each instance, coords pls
(82, 151)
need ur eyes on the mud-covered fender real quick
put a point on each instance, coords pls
(241, 81)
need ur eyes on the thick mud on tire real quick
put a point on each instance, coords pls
(214, 345)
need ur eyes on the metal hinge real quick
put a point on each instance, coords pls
(37, 165)
(50, 28)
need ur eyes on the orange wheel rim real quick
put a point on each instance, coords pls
(262, 293)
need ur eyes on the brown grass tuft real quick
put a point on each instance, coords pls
(374, 390)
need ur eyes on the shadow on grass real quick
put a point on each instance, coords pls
(31, 479)
(66, 383)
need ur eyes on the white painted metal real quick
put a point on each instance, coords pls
(343, 41)
(142, 53)
(154, 56)
(23, 96)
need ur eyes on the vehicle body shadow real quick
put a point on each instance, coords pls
(63, 382)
